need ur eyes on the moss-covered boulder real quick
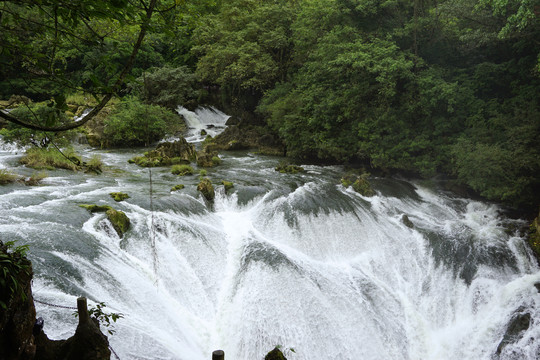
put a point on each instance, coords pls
(167, 153)
(275, 354)
(119, 196)
(96, 208)
(177, 187)
(285, 168)
(360, 184)
(207, 189)
(119, 221)
(227, 184)
(534, 237)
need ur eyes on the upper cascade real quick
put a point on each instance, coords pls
(202, 122)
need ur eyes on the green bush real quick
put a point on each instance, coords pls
(136, 124)
(50, 159)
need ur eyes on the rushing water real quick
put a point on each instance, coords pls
(291, 260)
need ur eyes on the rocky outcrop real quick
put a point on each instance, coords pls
(22, 338)
(275, 354)
(243, 137)
(168, 153)
(207, 189)
(208, 157)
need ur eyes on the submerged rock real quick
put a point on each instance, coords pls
(405, 220)
(119, 196)
(96, 208)
(177, 187)
(119, 221)
(207, 189)
(285, 168)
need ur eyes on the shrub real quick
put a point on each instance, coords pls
(177, 187)
(7, 177)
(136, 124)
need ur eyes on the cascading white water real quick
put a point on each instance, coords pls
(291, 260)
(211, 120)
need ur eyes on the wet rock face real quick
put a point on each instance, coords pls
(519, 324)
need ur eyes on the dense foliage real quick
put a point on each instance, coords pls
(136, 124)
(421, 86)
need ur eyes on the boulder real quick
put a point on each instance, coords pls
(207, 189)
(519, 324)
(275, 354)
(208, 157)
(119, 221)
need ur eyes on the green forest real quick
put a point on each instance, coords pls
(422, 87)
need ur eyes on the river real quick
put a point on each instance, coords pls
(292, 260)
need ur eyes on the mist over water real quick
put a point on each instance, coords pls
(291, 260)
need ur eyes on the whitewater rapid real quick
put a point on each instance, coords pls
(292, 260)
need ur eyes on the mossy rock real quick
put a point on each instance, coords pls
(177, 187)
(168, 153)
(119, 221)
(289, 169)
(275, 354)
(207, 189)
(119, 196)
(96, 208)
(182, 170)
(227, 184)
(360, 184)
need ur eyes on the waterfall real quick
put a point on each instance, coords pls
(291, 260)
(211, 120)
